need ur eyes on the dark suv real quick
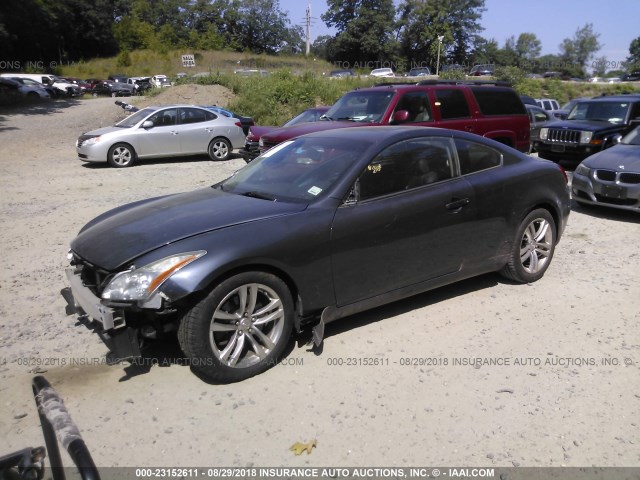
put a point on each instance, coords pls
(591, 126)
(489, 109)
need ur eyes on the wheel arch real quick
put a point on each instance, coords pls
(207, 283)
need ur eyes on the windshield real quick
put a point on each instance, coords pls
(134, 119)
(361, 106)
(311, 115)
(632, 138)
(300, 170)
(612, 112)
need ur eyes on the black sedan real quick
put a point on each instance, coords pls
(611, 178)
(315, 229)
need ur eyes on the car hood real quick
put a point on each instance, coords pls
(285, 133)
(104, 131)
(256, 131)
(585, 125)
(612, 158)
(119, 236)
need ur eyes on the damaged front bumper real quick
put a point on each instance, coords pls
(107, 321)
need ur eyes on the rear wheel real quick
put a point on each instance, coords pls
(121, 155)
(219, 149)
(533, 248)
(240, 329)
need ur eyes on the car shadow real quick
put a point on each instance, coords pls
(409, 304)
(167, 352)
(606, 213)
(159, 161)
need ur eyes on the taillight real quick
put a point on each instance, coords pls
(564, 174)
(238, 124)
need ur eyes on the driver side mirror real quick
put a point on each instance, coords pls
(147, 124)
(400, 116)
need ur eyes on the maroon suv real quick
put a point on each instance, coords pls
(490, 109)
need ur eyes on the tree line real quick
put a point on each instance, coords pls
(368, 32)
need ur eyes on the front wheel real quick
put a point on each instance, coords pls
(533, 248)
(240, 329)
(219, 149)
(121, 155)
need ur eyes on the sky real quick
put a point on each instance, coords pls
(617, 21)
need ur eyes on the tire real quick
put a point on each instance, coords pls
(121, 155)
(532, 248)
(219, 149)
(240, 329)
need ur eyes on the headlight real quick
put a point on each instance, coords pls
(141, 283)
(582, 170)
(544, 133)
(585, 137)
(91, 141)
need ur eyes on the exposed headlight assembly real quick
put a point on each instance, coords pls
(141, 283)
(544, 133)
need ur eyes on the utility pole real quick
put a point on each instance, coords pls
(438, 63)
(308, 20)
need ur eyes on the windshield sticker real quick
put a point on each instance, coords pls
(374, 168)
(314, 190)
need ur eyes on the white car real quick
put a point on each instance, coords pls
(382, 72)
(160, 81)
(167, 131)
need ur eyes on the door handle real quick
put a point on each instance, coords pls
(173, 132)
(457, 204)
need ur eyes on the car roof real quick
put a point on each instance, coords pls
(631, 97)
(377, 135)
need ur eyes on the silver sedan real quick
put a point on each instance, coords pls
(155, 132)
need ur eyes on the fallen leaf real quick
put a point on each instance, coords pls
(299, 447)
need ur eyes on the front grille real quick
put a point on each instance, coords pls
(633, 178)
(92, 277)
(606, 175)
(563, 135)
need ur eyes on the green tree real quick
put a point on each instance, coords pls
(577, 51)
(634, 55)
(365, 31)
(421, 23)
(528, 46)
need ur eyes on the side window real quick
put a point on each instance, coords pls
(474, 157)
(417, 104)
(453, 104)
(193, 115)
(406, 165)
(164, 118)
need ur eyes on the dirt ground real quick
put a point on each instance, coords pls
(557, 380)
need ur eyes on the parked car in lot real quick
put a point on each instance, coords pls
(490, 109)
(549, 104)
(157, 132)
(111, 88)
(611, 178)
(382, 72)
(251, 147)
(246, 122)
(482, 70)
(317, 229)
(342, 73)
(18, 86)
(419, 72)
(140, 85)
(160, 81)
(538, 118)
(62, 86)
(591, 126)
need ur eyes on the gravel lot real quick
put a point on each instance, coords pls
(557, 383)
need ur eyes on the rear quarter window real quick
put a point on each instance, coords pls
(498, 102)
